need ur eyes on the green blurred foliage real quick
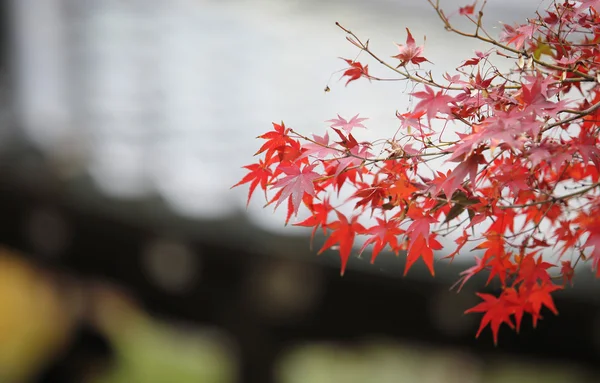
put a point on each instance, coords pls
(150, 351)
(387, 362)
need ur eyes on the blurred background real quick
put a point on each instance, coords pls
(124, 255)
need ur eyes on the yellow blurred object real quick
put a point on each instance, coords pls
(34, 322)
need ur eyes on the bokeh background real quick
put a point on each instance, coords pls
(125, 255)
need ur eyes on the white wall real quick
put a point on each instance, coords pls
(168, 96)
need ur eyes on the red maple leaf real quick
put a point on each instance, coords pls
(355, 71)
(348, 142)
(496, 311)
(276, 140)
(466, 167)
(475, 60)
(589, 147)
(461, 242)
(496, 257)
(338, 174)
(494, 244)
(590, 222)
(514, 175)
(467, 9)
(291, 152)
(343, 233)
(564, 234)
(384, 233)
(318, 217)
(567, 272)
(401, 190)
(259, 174)
(504, 219)
(500, 265)
(422, 247)
(531, 271)
(296, 184)
(410, 52)
(369, 195)
(540, 295)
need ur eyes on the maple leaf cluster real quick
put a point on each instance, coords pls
(523, 153)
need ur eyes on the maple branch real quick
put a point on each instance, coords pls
(485, 167)
(298, 135)
(539, 222)
(492, 41)
(349, 168)
(450, 229)
(407, 76)
(553, 198)
(580, 256)
(578, 114)
(346, 153)
(393, 176)
(385, 79)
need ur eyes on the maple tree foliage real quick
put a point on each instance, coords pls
(521, 146)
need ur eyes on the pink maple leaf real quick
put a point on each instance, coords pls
(296, 184)
(347, 126)
(421, 225)
(433, 102)
(467, 167)
(320, 149)
(594, 240)
(586, 4)
(568, 60)
(513, 175)
(454, 79)
(518, 36)
(413, 120)
(410, 52)
(352, 160)
(504, 127)
(535, 92)
(537, 154)
(384, 233)
(468, 273)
